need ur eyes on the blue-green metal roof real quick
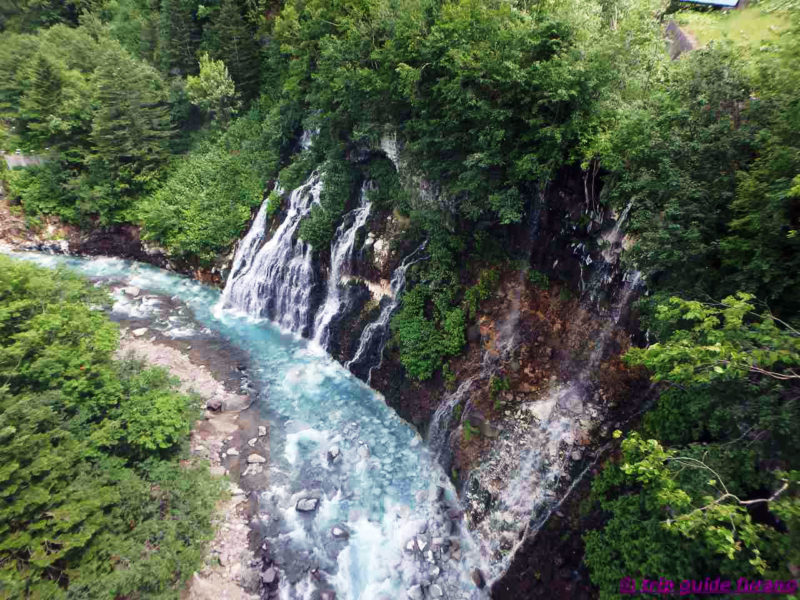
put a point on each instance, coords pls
(731, 3)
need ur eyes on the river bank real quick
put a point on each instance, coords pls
(214, 371)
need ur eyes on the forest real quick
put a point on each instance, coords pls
(182, 118)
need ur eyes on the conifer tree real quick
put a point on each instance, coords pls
(178, 37)
(42, 98)
(231, 40)
(131, 126)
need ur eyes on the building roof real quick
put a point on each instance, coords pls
(729, 3)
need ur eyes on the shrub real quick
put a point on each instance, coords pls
(539, 279)
(319, 226)
(482, 290)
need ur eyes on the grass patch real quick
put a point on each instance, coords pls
(752, 26)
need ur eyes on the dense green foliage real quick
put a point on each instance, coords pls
(94, 501)
(711, 164)
(730, 412)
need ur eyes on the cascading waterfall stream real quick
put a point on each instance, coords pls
(275, 280)
(341, 263)
(532, 463)
(375, 335)
(439, 431)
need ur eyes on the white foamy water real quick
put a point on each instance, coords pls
(341, 262)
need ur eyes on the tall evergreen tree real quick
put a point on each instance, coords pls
(178, 37)
(231, 40)
(42, 98)
(131, 126)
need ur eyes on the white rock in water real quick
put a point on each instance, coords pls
(139, 332)
(333, 453)
(262, 431)
(363, 451)
(410, 545)
(435, 591)
(131, 291)
(415, 593)
(422, 543)
(256, 458)
(232, 452)
(307, 505)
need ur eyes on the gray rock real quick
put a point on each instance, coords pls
(415, 593)
(256, 459)
(435, 591)
(507, 540)
(131, 290)
(139, 332)
(478, 578)
(327, 595)
(214, 404)
(454, 513)
(307, 505)
(422, 543)
(269, 576)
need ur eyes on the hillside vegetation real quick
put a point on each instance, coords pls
(95, 502)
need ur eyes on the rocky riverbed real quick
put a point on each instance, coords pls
(207, 369)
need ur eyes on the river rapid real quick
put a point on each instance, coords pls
(355, 503)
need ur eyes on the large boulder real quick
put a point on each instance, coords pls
(307, 504)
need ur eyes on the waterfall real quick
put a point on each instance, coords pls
(613, 237)
(251, 242)
(341, 260)
(439, 431)
(375, 335)
(532, 458)
(275, 280)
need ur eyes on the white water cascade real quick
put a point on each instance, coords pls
(532, 459)
(341, 263)
(275, 279)
(375, 335)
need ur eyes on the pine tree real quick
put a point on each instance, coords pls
(42, 98)
(231, 40)
(178, 37)
(131, 127)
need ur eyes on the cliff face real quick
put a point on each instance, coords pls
(537, 392)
